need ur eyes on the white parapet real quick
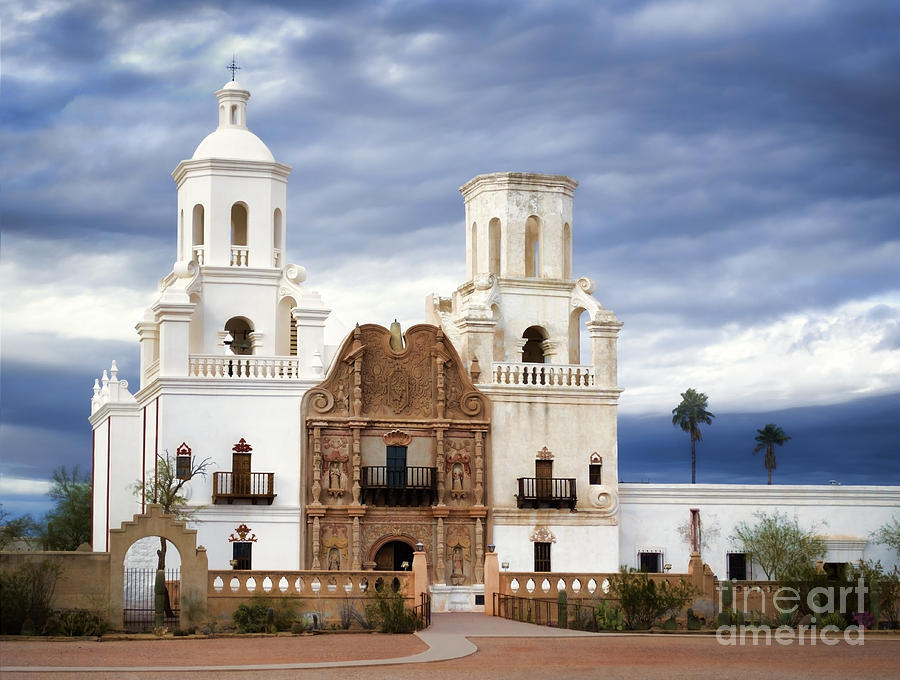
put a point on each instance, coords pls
(542, 375)
(248, 367)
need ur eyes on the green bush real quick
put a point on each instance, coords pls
(388, 612)
(26, 595)
(265, 614)
(832, 619)
(644, 600)
(608, 617)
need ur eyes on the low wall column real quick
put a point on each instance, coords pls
(420, 575)
(491, 581)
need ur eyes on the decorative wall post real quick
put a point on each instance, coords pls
(355, 564)
(479, 468)
(317, 465)
(439, 460)
(439, 559)
(479, 551)
(356, 461)
(316, 564)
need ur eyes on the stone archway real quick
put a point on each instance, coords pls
(393, 549)
(154, 522)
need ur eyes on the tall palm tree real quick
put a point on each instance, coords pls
(689, 414)
(766, 439)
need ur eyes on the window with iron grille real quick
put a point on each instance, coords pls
(650, 562)
(595, 473)
(541, 556)
(241, 553)
(737, 566)
(183, 466)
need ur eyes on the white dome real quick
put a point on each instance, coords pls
(233, 142)
(232, 85)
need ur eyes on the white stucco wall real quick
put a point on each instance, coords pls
(845, 516)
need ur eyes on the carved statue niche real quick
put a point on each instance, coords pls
(459, 554)
(457, 466)
(335, 456)
(334, 547)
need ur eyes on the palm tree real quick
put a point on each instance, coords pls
(766, 439)
(689, 414)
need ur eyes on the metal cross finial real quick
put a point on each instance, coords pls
(233, 67)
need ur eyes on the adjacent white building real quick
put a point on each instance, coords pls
(235, 338)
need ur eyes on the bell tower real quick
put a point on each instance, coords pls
(543, 349)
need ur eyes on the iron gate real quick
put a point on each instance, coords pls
(139, 599)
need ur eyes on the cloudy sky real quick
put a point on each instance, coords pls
(738, 207)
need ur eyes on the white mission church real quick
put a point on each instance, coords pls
(477, 428)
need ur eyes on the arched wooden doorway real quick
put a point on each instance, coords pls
(396, 555)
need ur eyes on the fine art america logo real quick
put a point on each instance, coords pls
(820, 601)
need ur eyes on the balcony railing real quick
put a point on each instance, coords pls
(403, 486)
(252, 486)
(554, 492)
(200, 254)
(239, 255)
(247, 366)
(543, 375)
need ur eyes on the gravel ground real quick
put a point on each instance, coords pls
(607, 657)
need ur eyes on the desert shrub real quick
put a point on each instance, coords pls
(265, 614)
(26, 595)
(388, 612)
(832, 619)
(608, 617)
(644, 600)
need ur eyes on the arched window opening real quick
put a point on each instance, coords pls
(234, 114)
(239, 250)
(577, 320)
(473, 249)
(285, 329)
(198, 251)
(494, 246)
(567, 251)
(238, 224)
(180, 254)
(277, 236)
(499, 351)
(532, 246)
(533, 351)
(195, 329)
(197, 226)
(240, 330)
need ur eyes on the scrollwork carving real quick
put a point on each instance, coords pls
(321, 400)
(472, 403)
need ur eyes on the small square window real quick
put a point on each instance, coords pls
(183, 466)
(595, 475)
(242, 554)
(737, 566)
(541, 556)
(650, 562)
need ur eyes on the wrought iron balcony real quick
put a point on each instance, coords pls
(252, 486)
(402, 486)
(556, 492)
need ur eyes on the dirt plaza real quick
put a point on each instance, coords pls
(456, 645)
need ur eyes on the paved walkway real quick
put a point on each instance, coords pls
(447, 638)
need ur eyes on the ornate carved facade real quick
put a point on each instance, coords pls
(395, 453)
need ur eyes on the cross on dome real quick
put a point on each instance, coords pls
(233, 67)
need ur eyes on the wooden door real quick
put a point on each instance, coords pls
(240, 468)
(543, 471)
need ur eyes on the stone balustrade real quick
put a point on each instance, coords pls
(246, 367)
(307, 584)
(576, 585)
(200, 254)
(542, 375)
(239, 255)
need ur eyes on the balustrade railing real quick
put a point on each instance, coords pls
(249, 367)
(556, 491)
(200, 254)
(276, 257)
(543, 375)
(239, 255)
(404, 486)
(253, 486)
